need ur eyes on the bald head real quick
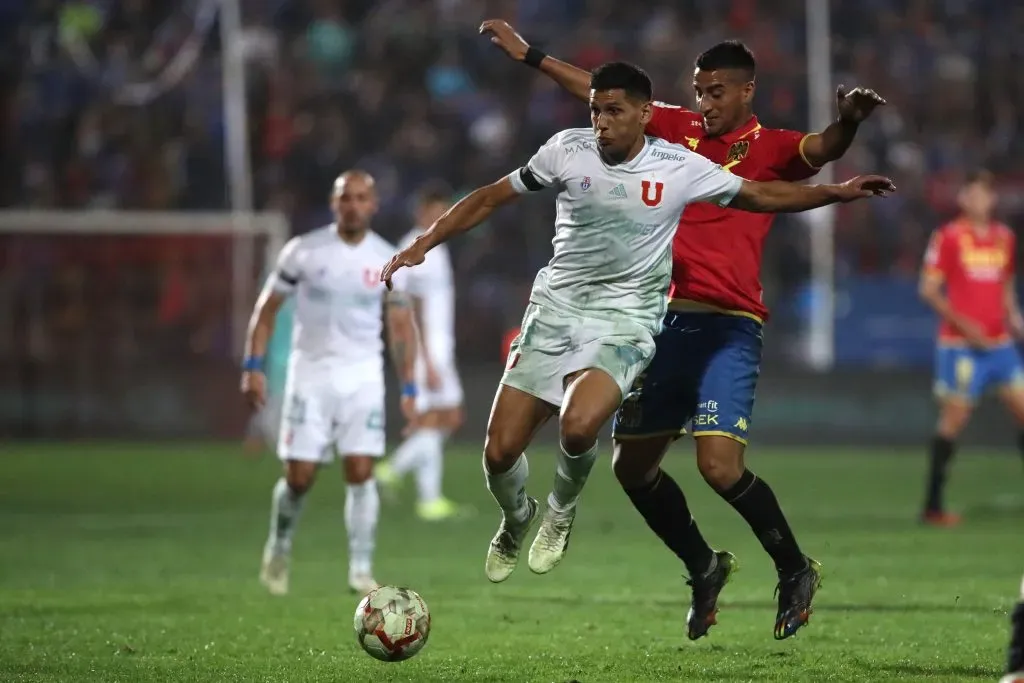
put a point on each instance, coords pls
(354, 202)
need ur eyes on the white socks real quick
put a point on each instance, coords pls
(422, 452)
(362, 508)
(570, 475)
(509, 490)
(285, 508)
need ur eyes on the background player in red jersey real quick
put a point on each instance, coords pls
(705, 370)
(972, 257)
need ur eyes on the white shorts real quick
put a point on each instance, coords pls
(553, 343)
(332, 413)
(448, 395)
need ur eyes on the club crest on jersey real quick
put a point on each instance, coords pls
(651, 198)
(738, 151)
(585, 183)
(371, 277)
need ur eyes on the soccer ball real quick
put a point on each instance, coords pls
(392, 623)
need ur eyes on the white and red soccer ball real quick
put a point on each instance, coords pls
(392, 623)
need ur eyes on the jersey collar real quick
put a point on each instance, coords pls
(751, 126)
(632, 163)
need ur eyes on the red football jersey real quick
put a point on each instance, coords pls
(975, 266)
(716, 253)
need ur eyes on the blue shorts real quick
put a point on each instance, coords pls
(966, 373)
(702, 380)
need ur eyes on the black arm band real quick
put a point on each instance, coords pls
(529, 180)
(533, 57)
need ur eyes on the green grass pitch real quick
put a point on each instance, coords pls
(139, 562)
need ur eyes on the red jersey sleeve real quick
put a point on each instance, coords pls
(939, 255)
(672, 123)
(789, 161)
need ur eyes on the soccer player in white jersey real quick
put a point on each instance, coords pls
(594, 309)
(439, 402)
(334, 392)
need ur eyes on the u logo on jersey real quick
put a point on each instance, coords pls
(650, 200)
(371, 277)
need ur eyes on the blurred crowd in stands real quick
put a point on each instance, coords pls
(407, 90)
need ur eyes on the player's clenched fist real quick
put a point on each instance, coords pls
(505, 37)
(254, 388)
(864, 186)
(413, 255)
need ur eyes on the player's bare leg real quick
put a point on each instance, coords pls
(721, 463)
(362, 509)
(954, 414)
(286, 506)
(659, 500)
(591, 398)
(515, 418)
(1015, 651)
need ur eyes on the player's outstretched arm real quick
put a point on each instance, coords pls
(831, 144)
(779, 196)
(261, 328)
(573, 79)
(469, 212)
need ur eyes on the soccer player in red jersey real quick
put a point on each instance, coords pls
(972, 258)
(705, 370)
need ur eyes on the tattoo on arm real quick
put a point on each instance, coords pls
(401, 334)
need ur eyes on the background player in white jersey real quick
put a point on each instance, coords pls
(439, 402)
(334, 395)
(588, 331)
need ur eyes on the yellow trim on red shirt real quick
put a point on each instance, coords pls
(691, 306)
(800, 150)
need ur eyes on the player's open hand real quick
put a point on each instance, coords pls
(974, 335)
(505, 37)
(856, 105)
(254, 388)
(865, 186)
(413, 255)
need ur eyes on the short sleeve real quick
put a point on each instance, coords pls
(938, 255)
(708, 182)
(288, 270)
(669, 122)
(543, 170)
(788, 159)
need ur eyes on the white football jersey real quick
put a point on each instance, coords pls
(614, 224)
(432, 282)
(338, 296)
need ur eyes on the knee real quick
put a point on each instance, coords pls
(631, 469)
(721, 465)
(358, 469)
(578, 430)
(500, 449)
(953, 418)
(300, 476)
